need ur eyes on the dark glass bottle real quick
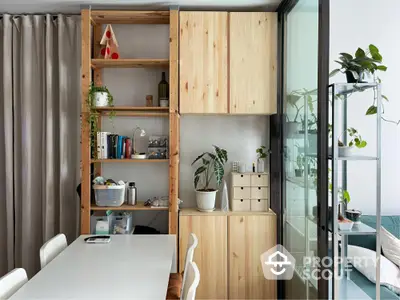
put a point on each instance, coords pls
(163, 91)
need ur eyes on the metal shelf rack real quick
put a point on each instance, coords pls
(341, 288)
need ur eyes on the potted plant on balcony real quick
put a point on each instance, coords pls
(364, 64)
(211, 165)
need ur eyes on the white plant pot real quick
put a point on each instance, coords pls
(260, 165)
(344, 151)
(205, 200)
(292, 128)
(101, 99)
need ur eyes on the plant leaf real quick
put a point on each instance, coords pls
(200, 170)
(346, 55)
(381, 68)
(362, 144)
(360, 53)
(198, 157)
(384, 97)
(346, 196)
(205, 161)
(355, 74)
(334, 72)
(373, 49)
(371, 110)
(219, 172)
(196, 181)
(222, 154)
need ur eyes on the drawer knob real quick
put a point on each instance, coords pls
(259, 200)
(241, 188)
(241, 200)
(241, 175)
(259, 176)
(259, 188)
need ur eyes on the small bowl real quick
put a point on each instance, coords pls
(353, 215)
(346, 226)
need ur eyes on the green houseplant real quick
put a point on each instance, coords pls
(97, 95)
(359, 66)
(211, 164)
(261, 156)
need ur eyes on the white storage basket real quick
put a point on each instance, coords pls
(109, 195)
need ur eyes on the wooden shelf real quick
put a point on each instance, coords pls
(115, 160)
(129, 17)
(138, 206)
(135, 111)
(129, 63)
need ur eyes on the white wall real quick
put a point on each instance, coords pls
(239, 135)
(358, 23)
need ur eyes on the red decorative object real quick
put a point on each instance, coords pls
(109, 49)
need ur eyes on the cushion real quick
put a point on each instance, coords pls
(174, 286)
(364, 261)
(390, 246)
(391, 224)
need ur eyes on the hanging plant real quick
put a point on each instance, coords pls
(98, 96)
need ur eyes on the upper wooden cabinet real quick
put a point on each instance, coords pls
(253, 62)
(203, 62)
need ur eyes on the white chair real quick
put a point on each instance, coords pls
(176, 282)
(191, 283)
(52, 248)
(12, 282)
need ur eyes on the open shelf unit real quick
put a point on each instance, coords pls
(92, 21)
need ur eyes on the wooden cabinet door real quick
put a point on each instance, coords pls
(203, 63)
(253, 62)
(210, 254)
(249, 237)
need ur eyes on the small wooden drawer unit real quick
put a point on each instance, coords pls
(249, 192)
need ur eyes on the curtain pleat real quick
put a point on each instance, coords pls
(6, 148)
(46, 92)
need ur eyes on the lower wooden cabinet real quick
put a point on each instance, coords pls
(228, 253)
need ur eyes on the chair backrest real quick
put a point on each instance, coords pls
(52, 248)
(12, 282)
(192, 244)
(192, 282)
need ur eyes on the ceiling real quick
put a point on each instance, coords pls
(74, 6)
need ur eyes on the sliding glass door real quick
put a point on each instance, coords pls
(304, 189)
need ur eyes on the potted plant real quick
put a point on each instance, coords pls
(355, 140)
(300, 165)
(361, 66)
(262, 155)
(212, 165)
(100, 96)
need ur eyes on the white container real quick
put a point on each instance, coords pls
(101, 99)
(205, 200)
(260, 165)
(344, 151)
(97, 217)
(120, 224)
(106, 195)
(345, 226)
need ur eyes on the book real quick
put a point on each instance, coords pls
(98, 144)
(114, 145)
(109, 145)
(119, 146)
(123, 147)
(104, 145)
(128, 148)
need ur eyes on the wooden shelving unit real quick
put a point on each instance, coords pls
(138, 206)
(92, 71)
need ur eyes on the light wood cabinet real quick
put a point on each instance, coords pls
(210, 254)
(203, 62)
(228, 253)
(248, 237)
(253, 62)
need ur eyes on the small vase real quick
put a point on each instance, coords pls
(261, 165)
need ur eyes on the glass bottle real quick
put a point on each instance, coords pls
(163, 92)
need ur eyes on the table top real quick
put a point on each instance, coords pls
(130, 266)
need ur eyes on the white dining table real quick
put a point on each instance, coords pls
(129, 267)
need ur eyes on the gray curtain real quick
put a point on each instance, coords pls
(39, 124)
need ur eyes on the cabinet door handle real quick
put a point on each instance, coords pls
(259, 176)
(259, 188)
(241, 175)
(241, 200)
(241, 188)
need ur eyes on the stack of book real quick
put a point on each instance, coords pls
(110, 145)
